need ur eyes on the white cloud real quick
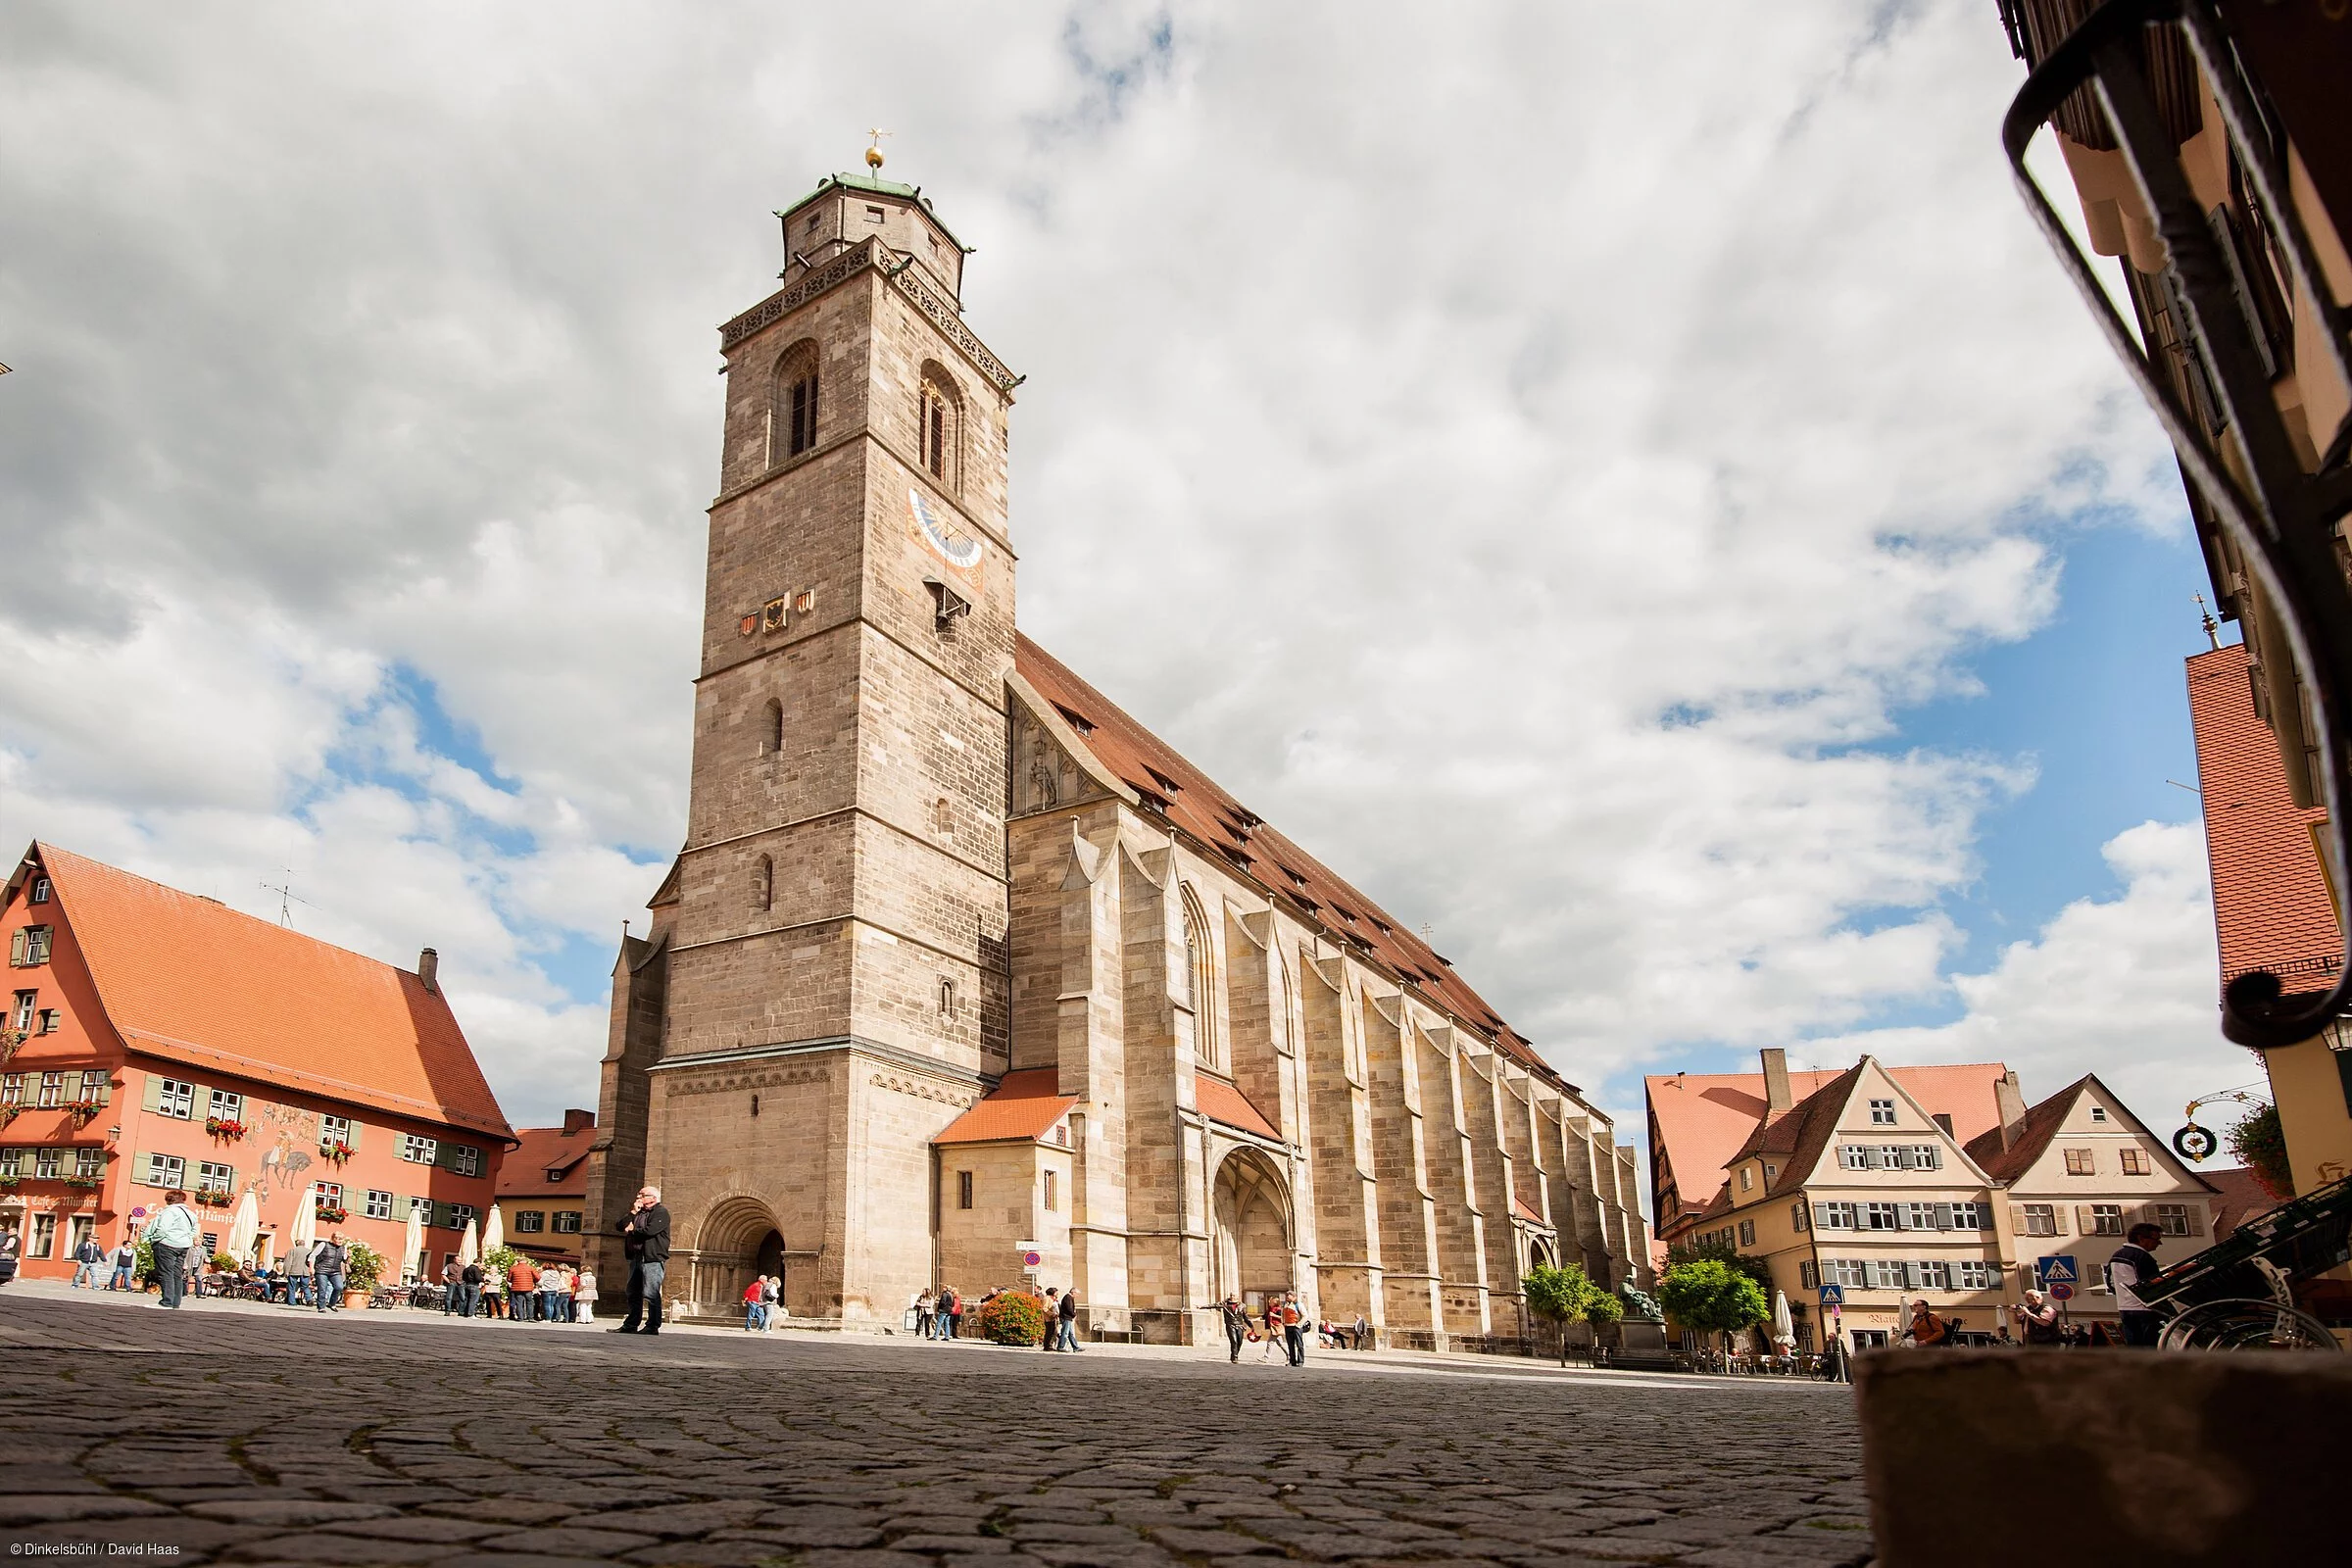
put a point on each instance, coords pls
(1533, 458)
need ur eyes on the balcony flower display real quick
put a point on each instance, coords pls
(333, 1213)
(224, 1128)
(334, 1153)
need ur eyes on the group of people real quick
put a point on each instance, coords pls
(315, 1273)
(522, 1291)
(1282, 1324)
(939, 1316)
(763, 1303)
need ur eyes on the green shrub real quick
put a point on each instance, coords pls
(1013, 1318)
(365, 1269)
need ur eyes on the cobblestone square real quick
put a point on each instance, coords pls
(242, 1433)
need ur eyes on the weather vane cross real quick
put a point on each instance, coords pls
(873, 153)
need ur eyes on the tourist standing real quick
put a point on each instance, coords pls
(1927, 1329)
(86, 1258)
(1070, 1320)
(552, 1292)
(330, 1261)
(522, 1290)
(644, 1241)
(8, 1254)
(2037, 1319)
(1294, 1329)
(922, 1313)
(1270, 1324)
(772, 1298)
(1363, 1331)
(449, 1286)
(127, 1262)
(469, 1286)
(1050, 1338)
(2134, 1264)
(170, 1232)
(583, 1296)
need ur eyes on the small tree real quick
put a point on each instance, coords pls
(1564, 1296)
(1603, 1310)
(364, 1268)
(1711, 1296)
(1755, 1268)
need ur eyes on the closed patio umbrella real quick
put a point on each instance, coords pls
(306, 1221)
(494, 1235)
(246, 1227)
(470, 1246)
(411, 1243)
(1783, 1322)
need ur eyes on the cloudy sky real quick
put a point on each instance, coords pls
(1624, 485)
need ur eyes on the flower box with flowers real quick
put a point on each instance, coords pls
(224, 1128)
(8, 1113)
(206, 1197)
(333, 1216)
(88, 1184)
(334, 1153)
(83, 1111)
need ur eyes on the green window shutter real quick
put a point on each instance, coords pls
(106, 1091)
(154, 1100)
(142, 1169)
(351, 1140)
(16, 949)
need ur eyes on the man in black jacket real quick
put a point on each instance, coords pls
(645, 1240)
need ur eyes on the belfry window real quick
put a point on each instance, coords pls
(938, 433)
(792, 421)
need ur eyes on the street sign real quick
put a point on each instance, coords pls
(2056, 1270)
(1032, 1259)
(1832, 1296)
(139, 1213)
(2062, 1291)
(2194, 1141)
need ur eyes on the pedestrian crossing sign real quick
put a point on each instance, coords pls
(1832, 1296)
(2057, 1270)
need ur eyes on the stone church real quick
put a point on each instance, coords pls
(960, 963)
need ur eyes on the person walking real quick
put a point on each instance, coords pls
(1294, 1329)
(170, 1231)
(1363, 1332)
(330, 1262)
(2134, 1264)
(1237, 1324)
(922, 1313)
(752, 1305)
(127, 1263)
(954, 1314)
(1927, 1329)
(1269, 1326)
(771, 1298)
(583, 1296)
(1069, 1321)
(644, 1241)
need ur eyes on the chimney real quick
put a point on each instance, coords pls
(579, 1121)
(1776, 1081)
(2010, 1100)
(428, 968)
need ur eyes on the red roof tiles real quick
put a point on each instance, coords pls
(549, 1162)
(188, 979)
(1193, 803)
(1025, 1104)
(2271, 908)
(1222, 1102)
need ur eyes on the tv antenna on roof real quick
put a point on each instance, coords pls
(287, 897)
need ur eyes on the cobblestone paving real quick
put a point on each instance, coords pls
(249, 1434)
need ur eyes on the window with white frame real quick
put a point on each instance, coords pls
(2173, 1218)
(329, 1194)
(40, 890)
(12, 1162)
(1978, 1274)
(531, 1221)
(30, 948)
(227, 1107)
(419, 1151)
(214, 1177)
(2040, 1219)
(1835, 1216)
(48, 1164)
(165, 1170)
(1886, 1274)
(44, 1236)
(567, 1223)
(2098, 1113)
(1846, 1271)
(465, 1159)
(1748, 1178)
(1748, 1233)
(19, 1017)
(1971, 1217)
(1854, 1156)
(1919, 1217)
(2106, 1219)
(1882, 1217)
(379, 1203)
(89, 1163)
(93, 1086)
(1882, 1113)
(12, 1089)
(175, 1098)
(1804, 1274)
(53, 1090)
(1797, 1218)
(1934, 1275)
(460, 1215)
(333, 1130)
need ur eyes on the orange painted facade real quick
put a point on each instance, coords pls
(102, 1110)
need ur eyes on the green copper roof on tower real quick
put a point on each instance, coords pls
(875, 186)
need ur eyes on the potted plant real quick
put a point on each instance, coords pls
(361, 1274)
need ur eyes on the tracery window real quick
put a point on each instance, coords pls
(1201, 984)
(939, 422)
(792, 421)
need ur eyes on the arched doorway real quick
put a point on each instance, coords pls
(737, 1242)
(1542, 1253)
(1251, 1254)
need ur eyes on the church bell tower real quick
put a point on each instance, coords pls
(825, 984)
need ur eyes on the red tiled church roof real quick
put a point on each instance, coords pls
(2271, 908)
(190, 980)
(1025, 1104)
(1192, 801)
(1221, 1101)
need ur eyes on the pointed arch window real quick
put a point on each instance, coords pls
(792, 419)
(939, 425)
(1200, 983)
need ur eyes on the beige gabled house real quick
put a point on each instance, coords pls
(2077, 1172)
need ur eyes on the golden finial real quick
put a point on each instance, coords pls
(873, 153)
